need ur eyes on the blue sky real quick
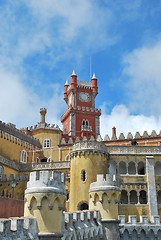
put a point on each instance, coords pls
(42, 41)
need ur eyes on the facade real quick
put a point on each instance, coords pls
(112, 188)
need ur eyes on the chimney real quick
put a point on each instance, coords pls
(113, 134)
(43, 112)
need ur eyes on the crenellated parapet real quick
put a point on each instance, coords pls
(12, 134)
(138, 136)
(82, 225)
(104, 184)
(143, 229)
(18, 228)
(46, 181)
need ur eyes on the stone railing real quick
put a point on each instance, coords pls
(87, 145)
(51, 165)
(82, 225)
(148, 150)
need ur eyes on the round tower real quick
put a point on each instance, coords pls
(88, 159)
(104, 196)
(45, 200)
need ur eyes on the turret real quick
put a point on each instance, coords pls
(94, 85)
(87, 159)
(66, 85)
(104, 196)
(45, 200)
(73, 83)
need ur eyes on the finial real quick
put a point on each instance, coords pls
(66, 83)
(73, 73)
(94, 76)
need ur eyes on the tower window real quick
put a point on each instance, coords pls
(83, 175)
(46, 143)
(23, 157)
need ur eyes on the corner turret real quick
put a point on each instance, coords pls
(73, 84)
(94, 85)
(45, 200)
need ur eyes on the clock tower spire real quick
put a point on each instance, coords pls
(81, 118)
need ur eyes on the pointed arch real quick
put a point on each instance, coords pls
(126, 235)
(142, 235)
(134, 235)
(151, 235)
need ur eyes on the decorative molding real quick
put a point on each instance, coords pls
(139, 150)
(51, 165)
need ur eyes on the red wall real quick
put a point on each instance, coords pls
(11, 207)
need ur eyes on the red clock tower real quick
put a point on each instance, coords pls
(81, 117)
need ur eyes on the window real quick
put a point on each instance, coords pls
(83, 175)
(23, 157)
(46, 143)
(124, 197)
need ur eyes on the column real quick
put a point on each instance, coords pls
(152, 196)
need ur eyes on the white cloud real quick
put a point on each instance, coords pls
(142, 67)
(20, 105)
(125, 122)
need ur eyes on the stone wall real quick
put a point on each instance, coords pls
(18, 229)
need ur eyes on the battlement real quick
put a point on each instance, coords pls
(46, 181)
(43, 126)
(11, 133)
(18, 228)
(130, 136)
(11, 177)
(104, 184)
(143, 228)
(82, 225)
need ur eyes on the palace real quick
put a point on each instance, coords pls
(71, 184)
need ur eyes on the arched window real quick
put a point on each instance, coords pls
(122, 168)
(83, 175)
(131, 168)
(158, 168)
(46, 143)
(124, 197)
(143, 197)
(133, 197)
(141, 168)
(82, 206)
(159, 197)
(85, 123)
(23, 157)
